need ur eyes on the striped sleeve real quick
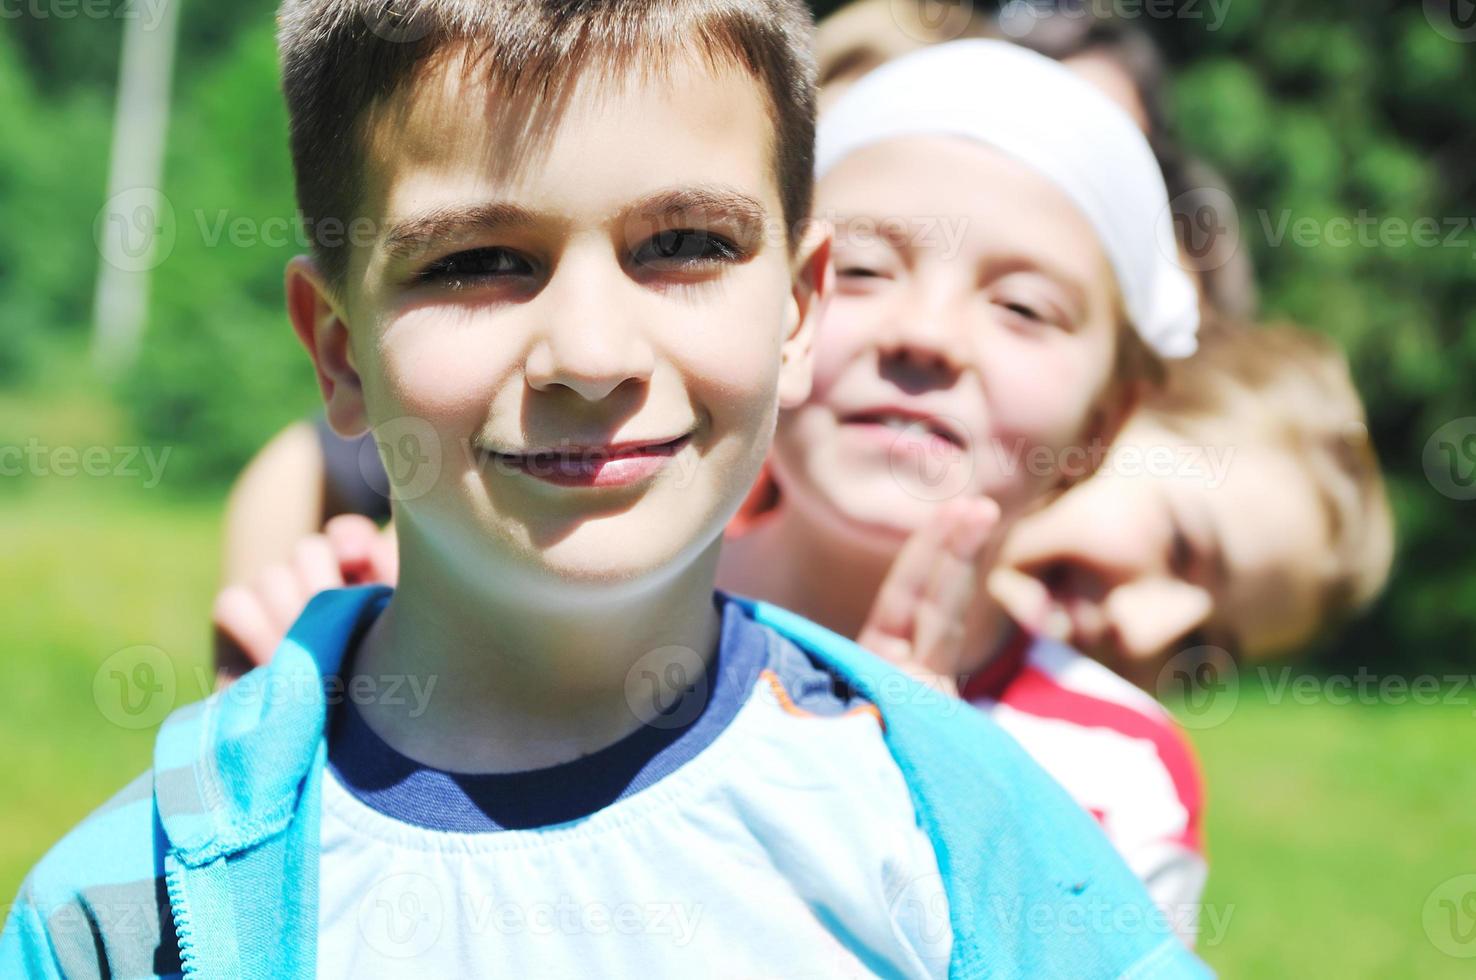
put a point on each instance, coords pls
(1121, 756)
(25, 950)
(95, 905)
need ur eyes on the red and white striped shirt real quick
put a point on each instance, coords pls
(1118, 753)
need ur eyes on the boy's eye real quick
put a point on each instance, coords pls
(463, 268)
(686, 247)
(860, 272)
(1021, 309)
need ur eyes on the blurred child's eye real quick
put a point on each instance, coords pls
(1031, 313)
(461, 269)
(685, 248)
(860, 280)
(1181, 554)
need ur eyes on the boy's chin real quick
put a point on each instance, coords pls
(616, 553)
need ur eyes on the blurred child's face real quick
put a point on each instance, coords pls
(594, 333)
(969, 340)
(1136, 563)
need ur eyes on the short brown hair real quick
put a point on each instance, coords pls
(341, 59)
(1292, 388)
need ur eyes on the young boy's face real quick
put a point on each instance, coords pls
(970, 339)
(1227, 547)
(593, 331)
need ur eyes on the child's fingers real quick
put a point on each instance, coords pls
(316, 565)
(932, 576)
(1023, 596)
(281, 595)
(894, 610)
(944, 605)
(247, 635)
(385, 558)
(354, 540)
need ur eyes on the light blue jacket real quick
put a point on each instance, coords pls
(208, 865)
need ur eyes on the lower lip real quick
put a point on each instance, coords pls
(619, 470)
(913, 438)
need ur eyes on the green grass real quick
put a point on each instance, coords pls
(93, 565)
(1329, 826)
(86, 576)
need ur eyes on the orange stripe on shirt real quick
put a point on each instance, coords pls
(787, 703)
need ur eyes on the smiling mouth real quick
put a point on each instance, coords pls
(906, 422)
(611, 465)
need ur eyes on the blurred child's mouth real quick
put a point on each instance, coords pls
(614, 465)
(898, 425)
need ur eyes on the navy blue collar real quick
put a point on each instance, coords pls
(405, 790)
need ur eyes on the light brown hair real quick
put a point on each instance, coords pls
(1292, 388)
(343, 59)
(866, 34)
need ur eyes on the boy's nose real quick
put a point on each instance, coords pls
(589, 342)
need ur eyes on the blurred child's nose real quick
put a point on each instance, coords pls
(1150, 615)
(923, 340)
(589, 337)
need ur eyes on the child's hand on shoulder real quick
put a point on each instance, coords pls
(919, 618)
(251, 620)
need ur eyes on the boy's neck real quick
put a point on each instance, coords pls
(511, 681)
(791, 563)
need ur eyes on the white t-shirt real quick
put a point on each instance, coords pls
(773, 836)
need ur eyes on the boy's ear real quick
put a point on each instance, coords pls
(319, 323)
(813, 277)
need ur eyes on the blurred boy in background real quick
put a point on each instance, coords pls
(1272, 527)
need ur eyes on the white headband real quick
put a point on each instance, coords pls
(1043, 115)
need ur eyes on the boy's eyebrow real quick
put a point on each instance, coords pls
(706, 201)
(416, 234)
